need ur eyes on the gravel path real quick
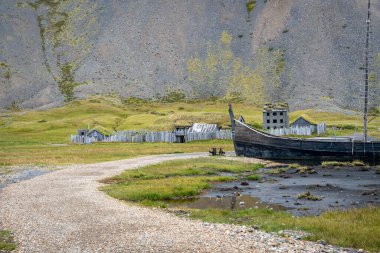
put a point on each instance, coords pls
(63, 211)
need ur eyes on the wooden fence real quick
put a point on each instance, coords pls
(306, 130)
(321, 128)
(81, 139)
(163, 136)
(125, 136)
(222, 134)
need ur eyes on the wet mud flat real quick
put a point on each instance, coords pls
(309, 191)
(15, 174)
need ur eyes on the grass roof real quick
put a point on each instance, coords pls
(276, 106)
(307, 118)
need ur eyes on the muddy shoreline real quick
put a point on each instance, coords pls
(16, 174)
(333, 188)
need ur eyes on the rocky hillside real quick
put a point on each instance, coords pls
(309, 53)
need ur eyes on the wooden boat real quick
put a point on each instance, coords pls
(251, 142)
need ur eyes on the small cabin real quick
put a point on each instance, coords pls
(275, 116)
(304, 121)
(96, 134)
(180, 133)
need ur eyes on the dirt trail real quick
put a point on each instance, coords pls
(64, 211)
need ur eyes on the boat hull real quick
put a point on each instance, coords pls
(251, 142)
(277, 153)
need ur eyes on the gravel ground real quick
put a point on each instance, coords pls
(64, 211)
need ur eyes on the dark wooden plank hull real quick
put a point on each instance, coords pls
(254, 143)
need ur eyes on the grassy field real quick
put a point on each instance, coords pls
(156, 184)
(6, 241)
(173, 179)
(43, 137)
(356, 228)
(48, 154)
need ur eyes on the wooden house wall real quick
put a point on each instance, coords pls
(97, 135)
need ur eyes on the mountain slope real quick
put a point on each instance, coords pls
(142, 48)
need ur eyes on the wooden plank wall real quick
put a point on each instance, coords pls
(300, 130)
(222, 134)
(81, 139)
(163, 136)
(321, 128)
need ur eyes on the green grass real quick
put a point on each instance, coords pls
(267, 219)
(355, 163)
(309, 196)
(358, 163)
(173, 179)
(6, 241)
(161, 189)
(186, 167)
(276, 171)
(294, 166)
(31, 137)
(156, 190)
(253, 177)
(357, 228)
(26, 153)
(300, 169)
(250, 5)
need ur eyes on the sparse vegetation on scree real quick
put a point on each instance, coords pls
(57, 22)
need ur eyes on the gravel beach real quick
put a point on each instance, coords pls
(63, 211)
